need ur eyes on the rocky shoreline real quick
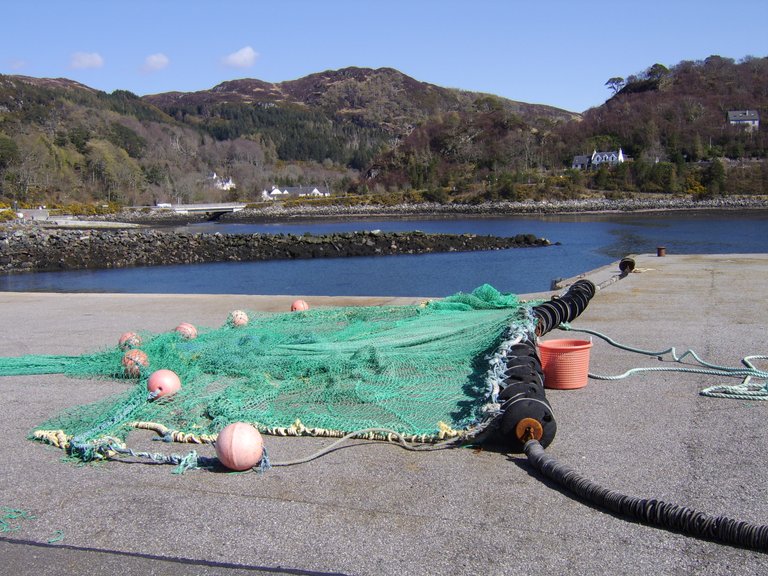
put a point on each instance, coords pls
(282, 212)
(37, 248)
(490, 209)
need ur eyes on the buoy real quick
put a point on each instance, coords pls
(129, 340)
(187, 330)
(133, 361)
(299, 306)
(626, 265)
(163, 383)
(239, 446)
(237, 318)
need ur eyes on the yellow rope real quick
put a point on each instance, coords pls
(298, 429)
(53, 437)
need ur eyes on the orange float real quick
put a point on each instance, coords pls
(299, 306)
(129, 340)
(239, 446)
(133, 361)
(187, 331)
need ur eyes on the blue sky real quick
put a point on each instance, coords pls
(553, 52)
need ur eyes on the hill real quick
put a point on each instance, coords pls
(673, 122)
(61, 141)
(364, 130)
(680, 112)
(348, 116)
(382, 98)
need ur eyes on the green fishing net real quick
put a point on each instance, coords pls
(424, 371)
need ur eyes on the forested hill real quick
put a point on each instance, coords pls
(381, 98)
(671, 122)
(347, 116)
(63, 141)
(362, 130)
(678, 113)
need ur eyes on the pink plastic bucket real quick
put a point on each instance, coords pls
(565, 363)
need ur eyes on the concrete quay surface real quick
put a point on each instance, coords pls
(376, 509)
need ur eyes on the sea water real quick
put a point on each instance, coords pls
(585, 242)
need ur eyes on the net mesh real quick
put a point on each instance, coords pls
(418, 370)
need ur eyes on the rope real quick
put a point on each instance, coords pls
(17, 516)
(391, 436)
(13, 514)
(747, 390)
(108, 448)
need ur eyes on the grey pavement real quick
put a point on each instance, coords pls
(373, 508)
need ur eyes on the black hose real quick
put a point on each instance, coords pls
(652, 512)
(566, 308)
(524, 410)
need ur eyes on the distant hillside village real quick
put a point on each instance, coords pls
(294, 192)
(275, 193)
(748, 119)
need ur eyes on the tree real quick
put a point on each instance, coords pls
(657, 72)
(127, 139)
(616, 83)
(9, 152)
(714, 177)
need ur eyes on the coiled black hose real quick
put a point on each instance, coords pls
(565, 308)
(649, 511)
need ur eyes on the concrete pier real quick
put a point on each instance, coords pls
(376, 509)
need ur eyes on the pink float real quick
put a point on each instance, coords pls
(187, 330)
(133, 361)
(299, 306)
(163, 383)
(237, 318)
(239, 446)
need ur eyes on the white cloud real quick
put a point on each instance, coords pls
(243, 58)
(86, 60)
(155, 62)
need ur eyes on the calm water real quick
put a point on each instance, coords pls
(587, 242)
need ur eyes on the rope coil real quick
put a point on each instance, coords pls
(747, 390)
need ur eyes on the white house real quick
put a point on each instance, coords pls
(609, 158)
(749, 119)
(294, 192)
(315, 193)
(221, 184)
(274, 194)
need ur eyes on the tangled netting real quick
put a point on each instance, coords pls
(419, 370)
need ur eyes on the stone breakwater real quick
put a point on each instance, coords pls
(32, 248)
